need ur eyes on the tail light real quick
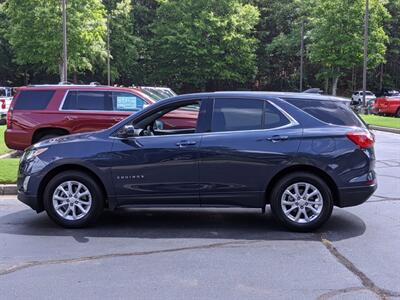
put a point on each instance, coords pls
(2, 103)
(363, 139)
(9, 118)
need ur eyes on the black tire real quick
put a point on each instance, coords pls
(97, 199)
(301, 177)
(398, 113)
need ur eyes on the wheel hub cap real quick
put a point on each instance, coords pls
(72, 200)
(302, 202)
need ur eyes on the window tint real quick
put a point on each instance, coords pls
(33, 100)
(127, 102)
(332, 112)
(87, 100)
(237, 114)
(273, 117)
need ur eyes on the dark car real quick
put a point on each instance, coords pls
(40, 112)
(301, 154)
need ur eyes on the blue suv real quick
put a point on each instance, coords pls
(301, 154)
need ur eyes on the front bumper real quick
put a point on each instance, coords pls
(352, 196)
(30, 200)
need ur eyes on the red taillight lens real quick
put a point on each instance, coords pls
(362, 139)
(9, 119)
(2, 104)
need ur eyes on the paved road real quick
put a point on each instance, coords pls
(209, 254)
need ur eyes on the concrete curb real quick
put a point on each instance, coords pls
(386, 129)
(12, 154)
(8, 189)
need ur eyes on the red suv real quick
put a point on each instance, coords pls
(46, 111)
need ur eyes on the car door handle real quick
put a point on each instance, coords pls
(118, 119)
(70, 118)
(277, 138)
(186, 143)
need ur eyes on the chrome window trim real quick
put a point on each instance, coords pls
(292, 123)
(102, 90)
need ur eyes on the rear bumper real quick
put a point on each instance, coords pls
(353, 196)
(17, 139)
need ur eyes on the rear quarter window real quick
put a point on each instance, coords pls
(328, 111)
(33, 100)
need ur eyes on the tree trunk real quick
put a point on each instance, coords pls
(326, 84)
(60, 66)
(334, 84)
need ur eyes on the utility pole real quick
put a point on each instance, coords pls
(365, 54)
(301, 54)
(64, 75)
(108, 51)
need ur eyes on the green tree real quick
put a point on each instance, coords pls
(391, 70)
(278, 32)
(204, 43)
(36, 33)
(337, 35)
(123, 42)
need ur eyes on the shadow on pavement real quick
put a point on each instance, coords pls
(240, 224)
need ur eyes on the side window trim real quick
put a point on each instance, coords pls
(292, 121)
(108, 95)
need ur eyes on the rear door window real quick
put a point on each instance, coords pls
(33, 100)
(237, 114)
(328, 111)
(88, 100)
(127, 102)
(273, 117)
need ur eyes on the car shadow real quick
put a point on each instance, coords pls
(235, 224)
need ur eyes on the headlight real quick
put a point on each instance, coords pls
(31, 154)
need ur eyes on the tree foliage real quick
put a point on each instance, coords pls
(203, 44)
(36, 33)
(336, 35)
(202, 41)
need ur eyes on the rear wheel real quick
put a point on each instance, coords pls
(47, 136)
(301, 201)
(398, 113)
(72, 199)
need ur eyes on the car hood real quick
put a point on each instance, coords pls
(72, 138)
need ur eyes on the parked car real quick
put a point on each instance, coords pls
(313, 91)
(156, 93)
(46, 111)
(388, 103)
(357, 100)
(6, 95)
(300, 153)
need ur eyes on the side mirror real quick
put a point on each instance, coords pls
(129, 131)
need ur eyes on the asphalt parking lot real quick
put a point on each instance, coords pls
(209, 253)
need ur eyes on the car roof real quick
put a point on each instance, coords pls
(265, 94)
(88, 87)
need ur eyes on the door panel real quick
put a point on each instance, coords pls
(235, 167)
(157, 170)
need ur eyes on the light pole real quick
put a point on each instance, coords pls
(301, 54)
(365, 55)
(64, 76)
(108, 51)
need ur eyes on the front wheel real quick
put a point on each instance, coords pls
(301, 201)
(72, 199)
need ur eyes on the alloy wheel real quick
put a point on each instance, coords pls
(302, 202)
(72, 200)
